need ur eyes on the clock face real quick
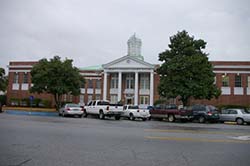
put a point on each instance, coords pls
(128, 61)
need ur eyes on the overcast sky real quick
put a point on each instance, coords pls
(96, 31)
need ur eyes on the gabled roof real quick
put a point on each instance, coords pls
(126, 62)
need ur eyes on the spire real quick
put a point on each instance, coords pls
(134, 47)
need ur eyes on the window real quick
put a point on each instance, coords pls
(225, 81)
(82, 84)
(144, 100)
(248, 81)
(90, 84)
(144, 82)
(98, 97)
(237, 81)
(113, 99)
(114, 81)
(98, 84)
(89, 97)
(233, 112)
(65, 97)
(15, 78)
(129, 82)
(70, 98)
(25, 78)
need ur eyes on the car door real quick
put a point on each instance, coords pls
(224, 116)
(232, 115)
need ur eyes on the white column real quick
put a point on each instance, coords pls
(152, 88)
(105, 86)
(136, 89)
(120, 86)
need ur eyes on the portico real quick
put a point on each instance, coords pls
(134, 86)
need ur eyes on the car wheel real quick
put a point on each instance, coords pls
(171, 118)
(85, 114)
(117, 117)
(239, 121)
(144, 119)
(101, 115)
(131, 116)
(202, 119)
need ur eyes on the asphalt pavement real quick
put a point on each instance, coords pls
(41, 140)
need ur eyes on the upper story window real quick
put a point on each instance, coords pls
(248, 81)
(25, 78)
(82, 84)
(15, 78)
(130, 81)
(225, 81)
(237, 81)
(144, 82)
(98, 84)
(90, 84)
(114, 81)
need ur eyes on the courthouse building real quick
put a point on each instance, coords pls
(132, 80)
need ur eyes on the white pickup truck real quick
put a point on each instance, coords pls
(133, 112)
(103, 109)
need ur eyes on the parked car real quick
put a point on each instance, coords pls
(170, 112)
(235, 115)
(133, 112)
(71, 109)
(204, 113)
(103, 109)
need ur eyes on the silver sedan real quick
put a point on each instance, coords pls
(235, 115)
(71, 109)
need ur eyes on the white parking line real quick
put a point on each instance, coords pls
(242, 138)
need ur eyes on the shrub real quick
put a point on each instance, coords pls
(14, 101)
(3, 99)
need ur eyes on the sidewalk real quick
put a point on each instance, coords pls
(30, 111)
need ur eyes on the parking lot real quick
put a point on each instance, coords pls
(40, 140)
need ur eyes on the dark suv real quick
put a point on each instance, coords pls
(204, 113)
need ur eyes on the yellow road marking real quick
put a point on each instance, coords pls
(197, 140)
(195, 132)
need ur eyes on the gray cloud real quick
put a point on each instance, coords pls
(95, 32)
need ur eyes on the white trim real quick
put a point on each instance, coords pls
(93, 78)
(19, 66)
(234, 72)
(90, 74)
(147, 65)
(233, 67)
(19, 71)
(127, 70)
(136, 88)
(119, 86)
(105, 86)
(151, 100)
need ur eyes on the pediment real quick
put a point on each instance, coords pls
(128, 62)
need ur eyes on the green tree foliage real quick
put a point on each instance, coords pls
(186, 71)
(3, 80)
(57, 78)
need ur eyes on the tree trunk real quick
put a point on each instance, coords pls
(57, 98)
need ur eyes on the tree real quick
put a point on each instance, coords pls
(3, 80)
(186, 71)
(57, 78)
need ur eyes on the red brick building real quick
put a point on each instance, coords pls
(131, 80)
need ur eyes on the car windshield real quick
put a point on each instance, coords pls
(133, 107)
(73, 105)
